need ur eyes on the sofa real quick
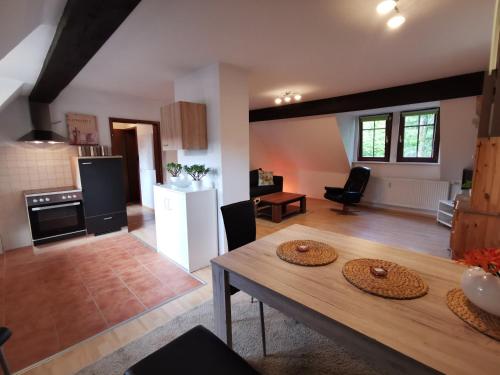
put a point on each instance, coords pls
(257, 191)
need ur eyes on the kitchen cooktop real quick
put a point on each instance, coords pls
(64, 189)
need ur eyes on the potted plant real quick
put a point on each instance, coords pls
(481, 281)
(197, 172)
(467, 187)
(175, 170)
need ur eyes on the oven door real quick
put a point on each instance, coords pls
(56, 221)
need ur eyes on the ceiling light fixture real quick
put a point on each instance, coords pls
(386, 6)
(396, 21)
(287, 97)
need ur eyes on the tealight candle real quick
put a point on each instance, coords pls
(302, 248)
(378, 271)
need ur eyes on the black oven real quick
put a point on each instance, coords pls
(55, 216)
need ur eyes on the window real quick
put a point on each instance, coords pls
(419, 136)
(375, 137)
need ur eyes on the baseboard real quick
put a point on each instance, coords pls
(415, 211)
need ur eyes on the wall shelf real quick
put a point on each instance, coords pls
(445, 212)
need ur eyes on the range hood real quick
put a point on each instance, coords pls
(42, 126)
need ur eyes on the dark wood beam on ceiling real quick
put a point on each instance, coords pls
(84, 27)
(439, 89)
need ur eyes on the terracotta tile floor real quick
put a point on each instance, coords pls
(54, 300)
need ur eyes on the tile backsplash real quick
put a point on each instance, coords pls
(26, 167)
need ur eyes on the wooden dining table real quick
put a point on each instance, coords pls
(402, 336)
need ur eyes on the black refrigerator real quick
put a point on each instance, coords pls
(101, 180)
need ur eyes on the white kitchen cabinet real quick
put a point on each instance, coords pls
(186, 225)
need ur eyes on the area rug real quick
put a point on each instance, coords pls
(293, 349)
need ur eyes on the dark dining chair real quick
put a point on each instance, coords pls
(353, 190)
(198, 351)
(239, 221)
(5, 334)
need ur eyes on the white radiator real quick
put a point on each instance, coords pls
(404, 192)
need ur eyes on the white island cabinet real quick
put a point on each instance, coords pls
(186, 225)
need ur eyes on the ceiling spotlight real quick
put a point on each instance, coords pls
(278, 101)
(396, 21)
(386, 6)
(297, 97)
(287, 99)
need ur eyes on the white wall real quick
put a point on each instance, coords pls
(458, 121)
(15, 120)
(347, 126)
(458, 134)
(406, 170)
(224, 89)
(103, 105)
(24, 167)
(391, 169)
(202, 86)
(234, 130)
(308, 152)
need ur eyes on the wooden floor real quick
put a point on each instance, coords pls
(403, 230)
(400, 229)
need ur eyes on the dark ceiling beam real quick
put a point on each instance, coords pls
(84, 27)
(439, 89)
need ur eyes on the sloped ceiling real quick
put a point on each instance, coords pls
(313, 144)
(17, 20)
(321, 48)
(27, 28)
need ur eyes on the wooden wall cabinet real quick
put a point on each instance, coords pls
(184, 126)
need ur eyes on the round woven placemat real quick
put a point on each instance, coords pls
(399, 283)
(319, 253)
(484, 322)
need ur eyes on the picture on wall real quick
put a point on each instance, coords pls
(82, 129)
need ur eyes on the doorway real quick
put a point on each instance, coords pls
(124, 143)
(138, 142)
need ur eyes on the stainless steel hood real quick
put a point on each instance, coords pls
(42, 126)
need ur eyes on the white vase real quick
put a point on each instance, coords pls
(197, 185)
(482, 289)
(179, 181)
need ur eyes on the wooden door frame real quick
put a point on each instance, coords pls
(156, 141)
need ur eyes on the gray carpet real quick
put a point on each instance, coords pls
(293, 349)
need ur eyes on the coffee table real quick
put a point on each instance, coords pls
(280, 205)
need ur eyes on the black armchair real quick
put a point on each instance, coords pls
(353, 189)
